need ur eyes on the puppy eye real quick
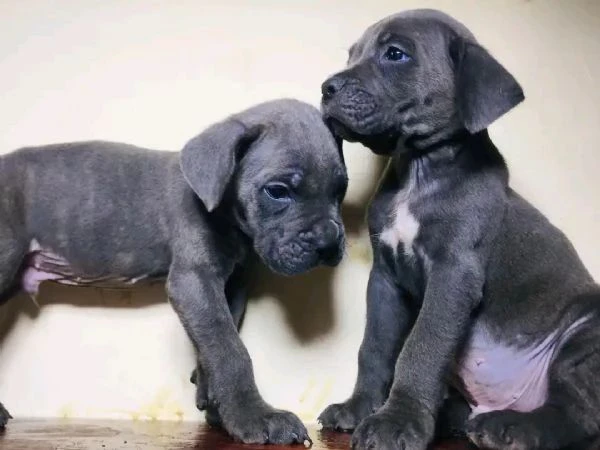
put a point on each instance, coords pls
(397, 55)
(277, 191)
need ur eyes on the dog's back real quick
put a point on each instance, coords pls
(533, 266)
(108, 197)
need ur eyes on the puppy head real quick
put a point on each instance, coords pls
(281, 172)
(416, 79)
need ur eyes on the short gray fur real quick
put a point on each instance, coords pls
(472, 265)
(192, 217)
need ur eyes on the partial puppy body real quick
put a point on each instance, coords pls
(470, 284)
(269, 180)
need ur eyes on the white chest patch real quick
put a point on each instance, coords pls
(403, 228)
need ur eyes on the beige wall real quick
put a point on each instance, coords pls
(154, 73)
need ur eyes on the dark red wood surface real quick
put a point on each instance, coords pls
(119, 435)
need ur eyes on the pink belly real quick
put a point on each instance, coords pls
(495, 376)
(41, 264)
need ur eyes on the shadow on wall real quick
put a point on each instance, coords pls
(308, 299)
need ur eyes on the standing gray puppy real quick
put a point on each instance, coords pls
(470, 283)
(269, 180)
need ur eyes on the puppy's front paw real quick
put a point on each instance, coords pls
(346, 416)
(211, 414)
(393, 430)
(213, 418)
(197, 378)
(265, 425)
(4, 416)
(503, 430)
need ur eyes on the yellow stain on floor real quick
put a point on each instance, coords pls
(309, 388)
(161, 407)
(325, 393)
(66, 411)
(313, 399)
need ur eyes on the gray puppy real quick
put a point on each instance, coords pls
(470, 283)
(268, 180)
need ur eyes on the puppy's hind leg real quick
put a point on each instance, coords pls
(571, 414)
(236, 299)
(12, 251)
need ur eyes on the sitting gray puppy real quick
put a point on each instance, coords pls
(270, 180)
(470, 283)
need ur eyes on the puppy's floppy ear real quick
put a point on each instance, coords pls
(209, 160)
(485, 90)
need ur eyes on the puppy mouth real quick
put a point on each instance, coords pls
(289, 258)
(296, 257)
(362, 122)
(342, 130)
(353, 116)
(356, 115)
(379, 142)
(288, 267)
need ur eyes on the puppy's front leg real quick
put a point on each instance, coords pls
(388, 320)
(198, 297)
(235, 292)
(407, 419)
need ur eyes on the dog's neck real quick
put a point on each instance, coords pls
(462, 153)
(229, 221)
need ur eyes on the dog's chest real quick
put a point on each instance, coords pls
(401, 228)
(398, 228)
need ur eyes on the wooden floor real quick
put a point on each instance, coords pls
(118, 435)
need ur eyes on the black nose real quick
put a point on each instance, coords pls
(331, 254)
(332, 86)
(329, 245)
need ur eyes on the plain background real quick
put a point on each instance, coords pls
(155, 73)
